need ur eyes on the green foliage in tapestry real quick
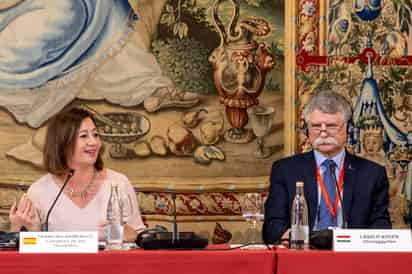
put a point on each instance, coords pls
(403, 10)
(186, 38)
(185, 42)
(395, 83)
(184, 62)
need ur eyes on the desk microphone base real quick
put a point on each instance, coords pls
(321, 239)
(164, 240)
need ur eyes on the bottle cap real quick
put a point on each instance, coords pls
(299, 183)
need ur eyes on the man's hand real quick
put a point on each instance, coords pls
(284, 240)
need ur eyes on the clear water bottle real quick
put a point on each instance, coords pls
(114, 228)
(299, 234)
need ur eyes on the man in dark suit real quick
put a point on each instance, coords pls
(365, 184)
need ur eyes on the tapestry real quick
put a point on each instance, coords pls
(179, 88)
(362, 49)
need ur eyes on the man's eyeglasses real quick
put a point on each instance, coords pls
(329, 128)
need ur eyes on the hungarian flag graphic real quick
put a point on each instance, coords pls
(343, 238)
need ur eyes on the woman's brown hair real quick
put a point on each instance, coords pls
(60, 140)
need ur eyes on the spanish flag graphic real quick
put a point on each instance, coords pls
(29, 240)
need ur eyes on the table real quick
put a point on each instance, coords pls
(327, 262)
(279, 261)
(142, 262)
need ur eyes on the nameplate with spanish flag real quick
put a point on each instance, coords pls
(375, 240)
(58, 242)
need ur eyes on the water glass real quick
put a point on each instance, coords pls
(253, 213)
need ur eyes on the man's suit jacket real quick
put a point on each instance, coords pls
(365, 193)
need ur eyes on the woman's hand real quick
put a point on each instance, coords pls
(22, 215)
(102, 230)
(129, 233)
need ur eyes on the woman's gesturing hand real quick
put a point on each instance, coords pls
(22, 214)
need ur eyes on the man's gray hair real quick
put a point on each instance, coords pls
(330, 102)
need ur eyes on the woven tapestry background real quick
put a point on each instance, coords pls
(363, 50)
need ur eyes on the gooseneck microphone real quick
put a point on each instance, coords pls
(344, 220)
(69, 175)
(160, 239)
(175, 232)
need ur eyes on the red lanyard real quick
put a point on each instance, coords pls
(325, 194)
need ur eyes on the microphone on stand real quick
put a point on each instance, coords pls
(175, 232)
(158, 239)
(69, 175)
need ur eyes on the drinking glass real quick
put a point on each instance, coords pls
(252, 212)
(261, 118)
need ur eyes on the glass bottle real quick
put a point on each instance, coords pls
(114, 228)
(299, 235)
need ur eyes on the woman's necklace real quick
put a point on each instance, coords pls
(83, 193)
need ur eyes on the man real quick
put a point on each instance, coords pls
(365, 184)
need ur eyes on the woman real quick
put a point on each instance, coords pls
(73, 143)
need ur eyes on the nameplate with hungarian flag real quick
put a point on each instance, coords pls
(376, 240)
(58, 242)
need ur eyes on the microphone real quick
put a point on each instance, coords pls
(344, 220)
(69, 175)
(159, 239)
(175, 231)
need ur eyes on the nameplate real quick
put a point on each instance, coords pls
(376, 240)
(58, 242)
